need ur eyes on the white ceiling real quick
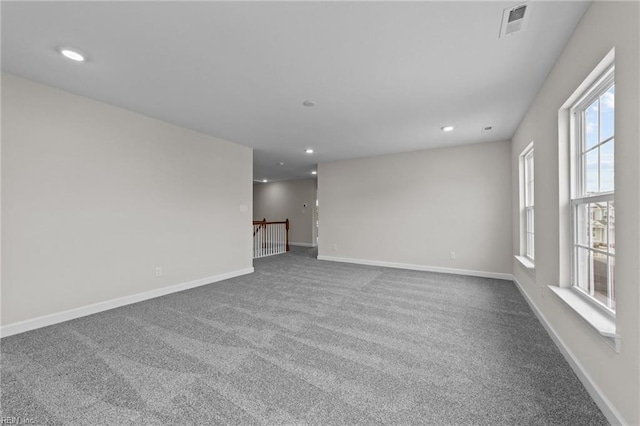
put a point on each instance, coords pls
(386, 76)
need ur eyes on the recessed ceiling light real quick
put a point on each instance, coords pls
(309, 103)
(281, 164)
(309, 151)
(72, 54)
(314, 172)
(447, 128)
(264, 181)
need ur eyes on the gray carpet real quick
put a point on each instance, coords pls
(298, 342)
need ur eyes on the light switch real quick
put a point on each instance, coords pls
(244, 208)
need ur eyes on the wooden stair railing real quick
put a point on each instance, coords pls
(270, 238)
(260, 224)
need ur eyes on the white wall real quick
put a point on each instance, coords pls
(277, 201)
(417, 207)
(604, 26)
(95, 197)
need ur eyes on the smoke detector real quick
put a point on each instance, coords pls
(514, 19)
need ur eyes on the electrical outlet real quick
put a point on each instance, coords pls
(335, 246)
(452, 255)
(158, 271)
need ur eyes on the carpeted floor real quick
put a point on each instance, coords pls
(302, 341)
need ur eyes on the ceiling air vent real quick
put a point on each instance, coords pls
(514, 19)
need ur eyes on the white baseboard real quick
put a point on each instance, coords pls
(483, 274)
(58, 317)
(303, 244)
(607, 408)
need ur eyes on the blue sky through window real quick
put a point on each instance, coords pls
(607, 101)
(599, 126)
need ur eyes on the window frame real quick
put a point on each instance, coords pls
(580, 197)
(528, 205)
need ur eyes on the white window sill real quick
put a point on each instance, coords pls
(526, 262)
(598, 320)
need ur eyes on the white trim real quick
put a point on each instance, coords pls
(58, 317)
(303, 244)
(600, 69)
(608, 409)
(526, 262)
(600, 321)
(483, 274)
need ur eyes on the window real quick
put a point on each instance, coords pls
(592, 197)
(527, 187)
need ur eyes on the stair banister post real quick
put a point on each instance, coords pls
(264, 233)
(286, 222)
